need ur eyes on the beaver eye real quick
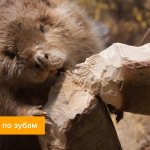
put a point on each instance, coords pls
(42, 29)
(10, 53)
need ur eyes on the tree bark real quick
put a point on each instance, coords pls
(120, 76)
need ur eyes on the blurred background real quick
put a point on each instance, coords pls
(125, 21)
(128, 21)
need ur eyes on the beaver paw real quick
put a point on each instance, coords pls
(36, 111)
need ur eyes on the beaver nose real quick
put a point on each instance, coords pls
(41, 60)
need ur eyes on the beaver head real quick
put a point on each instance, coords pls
(38, 37)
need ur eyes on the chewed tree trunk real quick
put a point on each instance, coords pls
(120, 76)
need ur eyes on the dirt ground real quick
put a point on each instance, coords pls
(134, 132)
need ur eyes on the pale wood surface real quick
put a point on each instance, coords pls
(120, 75)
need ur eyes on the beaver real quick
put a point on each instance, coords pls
(38, 38)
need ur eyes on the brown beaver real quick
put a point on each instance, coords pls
(38, 38)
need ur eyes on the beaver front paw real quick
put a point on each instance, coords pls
(36, 111)
(32, 111)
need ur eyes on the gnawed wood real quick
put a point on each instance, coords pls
(120, 76)
(79, 119)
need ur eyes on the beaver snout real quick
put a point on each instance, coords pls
(51, 60)
(41, 60)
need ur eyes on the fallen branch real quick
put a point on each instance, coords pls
(120, 75)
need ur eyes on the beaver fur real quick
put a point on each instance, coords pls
(38, 38)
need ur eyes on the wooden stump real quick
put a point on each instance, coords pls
(120, 76)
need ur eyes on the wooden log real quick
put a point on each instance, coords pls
(120, 76)
(79, 120)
